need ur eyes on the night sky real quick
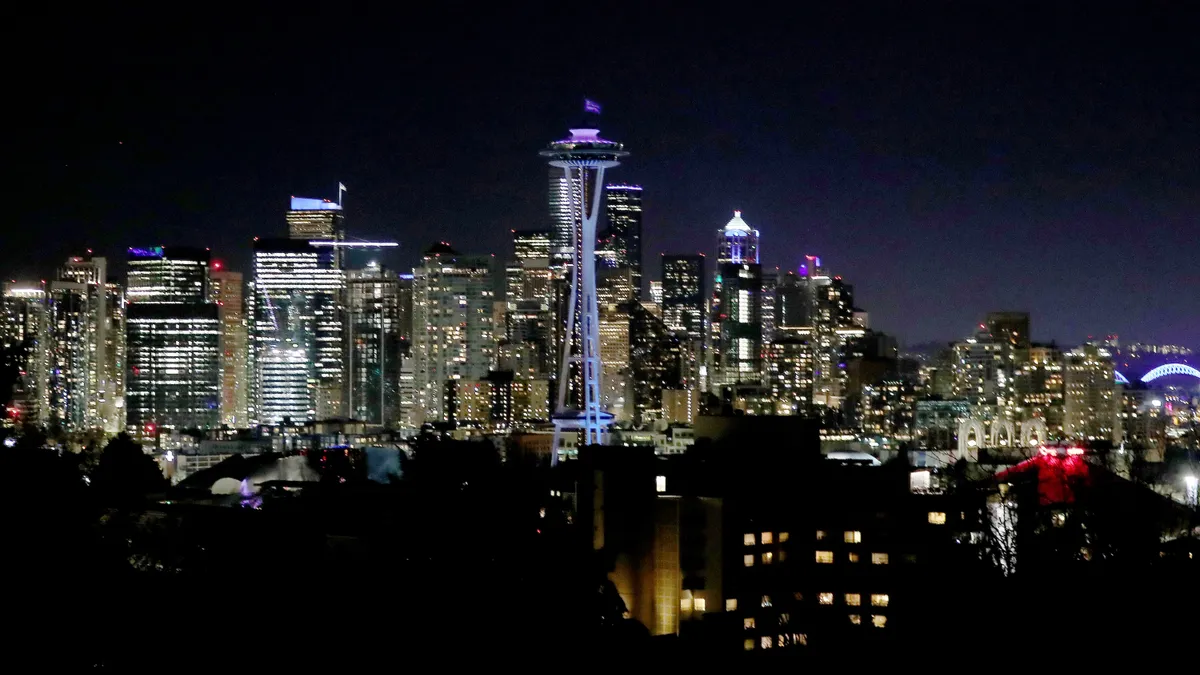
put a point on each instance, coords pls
(945, 162)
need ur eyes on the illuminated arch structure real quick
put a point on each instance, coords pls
(1121, 379)
(1003, 434)
(1170, 369)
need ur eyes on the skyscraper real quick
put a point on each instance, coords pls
(227, 290)
(582, 158)
(377, 345)
(452, 322)
(297, 328)
(1092, 402)
(315, 219)
(683, 294)
(25, 339)
(737, 306)
(173, 336)
(83, 387)
(620, 244)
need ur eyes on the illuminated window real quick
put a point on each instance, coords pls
(748, 539)
(853, 557)
(685, 604)
(767, 558)
(853, 599)
(937, 517)
(879, 600)
(731, 604)
(820, 535)
(853, 536)
(800, 638)
(784, 619)
(879, 558)
(748, 560)
(782, 556)
(767, 642)
(748, 622)
(700, 605)
(878, 620)
(660, 483)
(825, 556)
(766, 601)
(856, 619)
(825, 598)
(748, 645)
(767, 538)
(783, 536)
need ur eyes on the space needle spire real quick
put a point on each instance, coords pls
(583, 157)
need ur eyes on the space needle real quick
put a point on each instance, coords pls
(583, 157)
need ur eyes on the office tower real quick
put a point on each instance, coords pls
(82, 386)
(656, 294)
(614, 335)
(770, 287)
(227, 290)
(683, 294)
(156, 274)
(1092, 402)
(1038, 387)
(453, 332)
(529, 275)
(25, 338)
(620, 244)
(562, 246)
(736, 323)
(887, 407)
(792, 303)
(315, 219)
(404, 302)
(297, 331)
(615, 285)
(173, 341)
(377, 345)
(657, 362)
(72, 356)
(582, 159)
(116, 356)
(789, 365)
(1011, 327)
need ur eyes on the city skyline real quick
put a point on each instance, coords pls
(941, 184)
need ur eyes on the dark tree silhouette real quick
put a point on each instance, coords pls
(125, 474)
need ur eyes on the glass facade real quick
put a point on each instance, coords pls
(298, 331)
(174, 365)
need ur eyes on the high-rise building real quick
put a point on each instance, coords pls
(620, 243)
(297, 331)
(683, 294)
(582, 159)
(1010, 327)
(529, 275)
(227, 290)
(453, 332)
(377, 345)
(174, 366)
(158, 274)
(1092, 400)
(173, 341)
(1039, 387)
(72, 357)
(615, 354)
(25, 339)
(657, 362)
(83, 387)
(656, 294)
(315, 220)
(789, 365)
(736, 321)
(770, 289)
